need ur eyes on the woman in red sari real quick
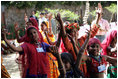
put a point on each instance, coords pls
(109, 46)
(33, 57)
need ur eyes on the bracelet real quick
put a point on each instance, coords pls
(97, 25)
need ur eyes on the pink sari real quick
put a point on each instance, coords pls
(106, 42)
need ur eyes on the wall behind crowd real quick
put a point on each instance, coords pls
(17, 15)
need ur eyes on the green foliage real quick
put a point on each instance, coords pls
(112, 8)
(19, 4)
(103, 3)
(37, 14)
(93, 13)
(11, 32)
(22, 32)
(64, 13)
(2, 24)
(69, 3)
(40, 4)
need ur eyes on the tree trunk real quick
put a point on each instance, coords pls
(111, 17)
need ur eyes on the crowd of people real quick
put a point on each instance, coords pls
(84, 57)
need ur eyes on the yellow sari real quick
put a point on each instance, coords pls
(4, 73)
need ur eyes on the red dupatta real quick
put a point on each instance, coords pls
(35, 24)
(37, 63)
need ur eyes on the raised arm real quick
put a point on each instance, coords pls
(50, 25)
(95, 27)
(111, 60)
(16, 49)
(53, 43)
(16, 28)
(66, 41)
(112, 50)
(16, 31)
(59, 40)
(98, 16)
(48, 39)
(74, 44)
(62, 30)
(99, 13)
(54, 51)
(82, 49)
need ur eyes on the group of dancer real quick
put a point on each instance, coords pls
(39, 55)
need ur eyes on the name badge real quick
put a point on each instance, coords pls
(40, 50)
(101, 68)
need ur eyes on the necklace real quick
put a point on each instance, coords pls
(38, 44)
(97, 58)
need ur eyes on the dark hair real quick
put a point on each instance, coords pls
(69, 31)
(68, 57)
(42, 13)
(34, 11)
(30, 28)
(44, 23)
(46, 12)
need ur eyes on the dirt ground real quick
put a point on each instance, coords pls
(11, 65)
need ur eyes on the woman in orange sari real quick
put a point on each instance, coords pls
(72, 30)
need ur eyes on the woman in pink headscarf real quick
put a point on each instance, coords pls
(109, 46)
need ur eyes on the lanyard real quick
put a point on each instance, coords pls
(38, 44)
(95, 58)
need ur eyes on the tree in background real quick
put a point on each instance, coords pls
(113, 9)
(66, 13)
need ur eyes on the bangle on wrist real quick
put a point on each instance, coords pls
(97, 25)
